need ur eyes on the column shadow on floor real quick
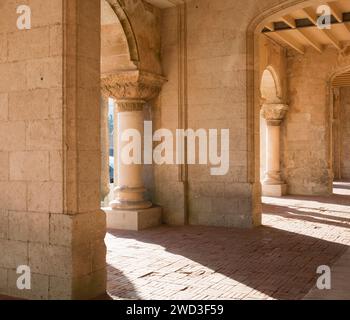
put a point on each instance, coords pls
(341, 185)
(278, 263)
(307, 214)
(119, 286)
(332, 199)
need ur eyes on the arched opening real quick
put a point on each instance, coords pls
(130, 81)
(302, 57)
(125, 80)
(340, 83)
(270, 96)
(270, 87)
(116, 55)
(50, 204)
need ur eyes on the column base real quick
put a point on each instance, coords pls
(279, 190)
(128, 205)
(133, 220)
(130, 199)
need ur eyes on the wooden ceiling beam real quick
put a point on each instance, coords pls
(290, 41)
(270, 26)
(289, 21)
(311, 15)
(317, 46)
(337, 14)
(347, 26)
(336, 43)
(298, 26)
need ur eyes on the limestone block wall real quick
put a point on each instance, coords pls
(49, 150)
(30, 142)
(215, 97)
(169, 186)
(216, 83)
(49, 130)
(213, 92)
(345, 132)
(306, 130)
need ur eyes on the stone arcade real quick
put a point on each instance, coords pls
(261, 69)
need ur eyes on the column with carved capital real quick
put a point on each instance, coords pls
(130, 191)
(105, 179)
(130, 209)
(273, 184)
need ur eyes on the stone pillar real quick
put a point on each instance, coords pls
(130, 210)
(273, 185)
(337, 133)
(105, 179)
(130, 191)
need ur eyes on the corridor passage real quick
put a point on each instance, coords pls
(276, 261)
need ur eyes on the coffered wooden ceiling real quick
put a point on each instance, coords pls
(299, 29)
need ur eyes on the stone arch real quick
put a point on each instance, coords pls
(343, 66)
(140, 25)
(335, 104)
(119, 50)
(270, 86)
(253, 81)
(127, 28)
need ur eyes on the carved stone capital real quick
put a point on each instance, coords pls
(274, 113)
(130, 105)
(134, 85)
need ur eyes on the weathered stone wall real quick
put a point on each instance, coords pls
(49, 150)
(49, 130)
(306, 129)
(345, 132)
(216, 97)
(170, 189)
(30, 142)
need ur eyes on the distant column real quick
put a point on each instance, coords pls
(105, 179)
(273, 184)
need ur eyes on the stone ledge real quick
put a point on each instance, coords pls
(133, 220)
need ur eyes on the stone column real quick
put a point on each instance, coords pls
(337, 133)
(105, 179)
(130, 191)
(273, 185)
(130, 209)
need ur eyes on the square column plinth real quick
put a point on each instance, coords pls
(133, 220)
(279, 190)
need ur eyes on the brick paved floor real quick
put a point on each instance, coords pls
(340, 283)
(276, 261)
